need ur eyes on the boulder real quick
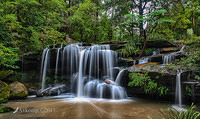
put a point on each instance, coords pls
(4, 92)
(18, 90)
(109, 81)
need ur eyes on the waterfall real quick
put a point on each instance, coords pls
(156, 52)
(181, 50)
(80, 76)
(45, 62)
(148, 58)
(42, 61)
(88, 70)
(134, 62)
(57, 59)
(178, 96)
(144, 60)
(169, 58)
(119, 76)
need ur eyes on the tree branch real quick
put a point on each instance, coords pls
(135, 3)
(144, 5)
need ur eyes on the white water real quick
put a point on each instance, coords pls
(57, 59)
(144, 60)
(178, 96)
(42, 62)
(45, 68)
(148, 58)
(87, 69)
(80, 76)
(169, 58)
(119, 77)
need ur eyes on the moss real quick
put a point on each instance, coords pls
(20, 94)
(17, 90)
(4, 109)
(4, 92)
(5, 73)
(146, 64)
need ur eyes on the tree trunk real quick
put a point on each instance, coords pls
(144, 46)
(141, 11)
(193, 22)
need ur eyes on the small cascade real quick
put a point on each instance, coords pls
(156, 52)
(42, 61)
(70, 63)
(54, 46)
(80, 76)
(169, 58)
(178, 95)
(144, 60)
(87, 71)
(134, 62)
(119, 77)
(148, 58)
(45, 63)
(100, 89)
(57, 61)
(96, 67)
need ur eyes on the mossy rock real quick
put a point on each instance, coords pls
(18, 90)
(5, 73)
(146, 64)
(4, 109)
(4, 92)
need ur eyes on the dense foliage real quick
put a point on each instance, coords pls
(27, 26)
(146, 83)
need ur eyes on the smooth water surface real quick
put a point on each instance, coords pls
(85, 108)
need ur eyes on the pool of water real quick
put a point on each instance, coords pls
(84, 108)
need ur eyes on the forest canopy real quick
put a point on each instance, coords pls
(30, 25)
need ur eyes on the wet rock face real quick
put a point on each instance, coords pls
(163, 75)
(4, 92)
(18, 90)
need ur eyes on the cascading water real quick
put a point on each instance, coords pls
(70, 63)
(178, 96)
(57, 61)
(144, 60)
(169, 58)
(96, 66)
(45, 62)
(80, 75)
(119, 77)
(148, 58)
(89, 70)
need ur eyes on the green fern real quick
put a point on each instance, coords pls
(175, 114)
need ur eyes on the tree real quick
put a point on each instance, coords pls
(152, 19)
(82, 21)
